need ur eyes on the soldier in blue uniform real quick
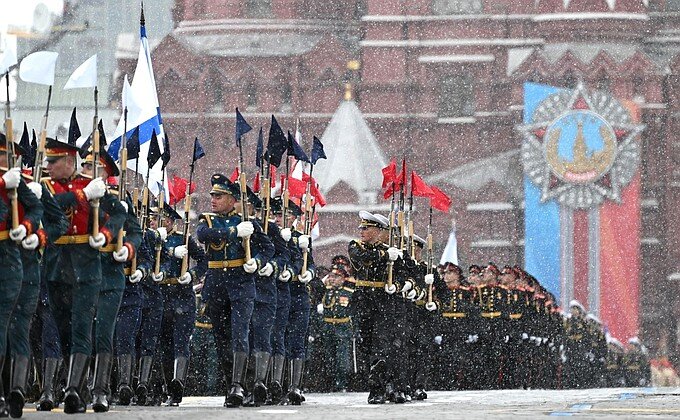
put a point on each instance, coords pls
(230, 282)
(179, 314)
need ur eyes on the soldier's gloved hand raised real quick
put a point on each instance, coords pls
(390, 289)
(303, 242)
(286, 234)
(97, 241)
(158, 277)
(163, 233)
(285, 275)
(319, 308)
(251, 265)
(12, 178)
(438, 340)
(244, 229)
(408, 285)
(125, 205)
(122, 255)
(431, 306)
(95, 189)
(305, 277)
(185, 278)
(429, 279)
(266, 271)
(136, 277)
(180, 251)
(36, 189)
(394, 253)
(18, 234)
(30, 242)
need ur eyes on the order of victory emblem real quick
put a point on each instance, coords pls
(581, 148)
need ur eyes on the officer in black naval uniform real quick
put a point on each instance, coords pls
(230, 282)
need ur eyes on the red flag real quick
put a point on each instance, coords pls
(389, 173)
(391, 189)
(256, 183)
(440, 200)
(418, 187)
(401, 177)
(178, 189)
(234, 175)
(296, 187)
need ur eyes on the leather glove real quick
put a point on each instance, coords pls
(286, 234)
(30, 242)
(185, 278)
(95, 189)
(285, 275)
(266, 271)
(158, 277)
(251, 265)
(438, 340)
(97, 241)
(244, 229)
(163, 233)
(303, 242)
(180, 251)
(411, 294)
(125, 205)
(431, 306)
(122, 255)
(429, 279)
(18, 234)
(390, 289)
(305, 277)
(319, 308)
(394, 253)
(36, 189)
(136, 277)
(12, 178)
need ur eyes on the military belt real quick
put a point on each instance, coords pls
(491, 314)
(170, 281)
(337, 320)
(204, 325)
(227, 264)
(72, 239)
(454, 315)
(4, 235)
(515, 316)
(366, 283)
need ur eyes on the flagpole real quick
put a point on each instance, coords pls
(430, 255)
(9, 134)
(187, 210)
(161, 204)
(400, 214)
(308, 217)
(390, 241)
(40, 152)
(409, 242)
(285, 195)
(244, 197)
(266, 190)
(122, 179)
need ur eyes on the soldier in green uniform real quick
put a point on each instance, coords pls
(337, 326)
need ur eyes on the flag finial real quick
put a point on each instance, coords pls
(348, 91)
(141, 18)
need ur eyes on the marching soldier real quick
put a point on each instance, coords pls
(576, 346)
(75, 280)
(230, 281)
(491, 297)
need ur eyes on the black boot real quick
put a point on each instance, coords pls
(294, 392)
(125, 393)
(176, 387)
(17, 395)
(275, 388)
(376, 383)
(76, 373)
(261, 368)
(50, 372)
(142, 391)
(235, 396)
(102, 376)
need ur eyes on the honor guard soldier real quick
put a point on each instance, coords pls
(179, 300)
(12, 241)
(229, 289)
(636, 364)
(576, 346)
(491, 297)
(74, 289)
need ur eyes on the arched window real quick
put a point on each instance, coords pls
(214, 88)
(251, 95)
(457, 7)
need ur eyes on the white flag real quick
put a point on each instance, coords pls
(9, 57)
(85, 76)
(39, 68)
(451, 251)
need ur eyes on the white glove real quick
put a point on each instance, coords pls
(431, 306)
(506, 338)
(163, 233)
(429, 279)
(185, 278)
(244, 229)
(266, 271)
(310, 338)
(286, 234)
(97, 241)
(36, 189)
(390, 289)
(407, 286)
(95, 189)
(30, 242)
(136, 277)
(305, 277)
(122, 255)
(469, 339)
(525, 336)
(125, 205)
(285, 275)
(18, 234)
(158, 277)
(319, 308)
(303, 242)
(180, 251)
(12, 178)
(438, 340)
(251, 265)
(394, 253)
(411, 294)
